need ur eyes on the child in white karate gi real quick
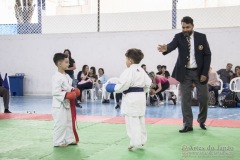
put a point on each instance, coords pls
(134, 83)
(64, 130)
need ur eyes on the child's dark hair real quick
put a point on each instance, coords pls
(135, 54)
(59, 57)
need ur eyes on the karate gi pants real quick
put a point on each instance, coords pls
(63, 131)
(136, 130)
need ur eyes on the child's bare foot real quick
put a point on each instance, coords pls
(130, 147)
(63, 145)
(73, 143)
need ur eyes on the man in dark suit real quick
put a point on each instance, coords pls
(192, 66)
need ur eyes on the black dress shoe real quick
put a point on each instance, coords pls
(7, 111)
(186, 129)
(78, 105)
(117, 106)
(203, 126)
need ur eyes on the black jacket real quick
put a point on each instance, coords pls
(202, 55)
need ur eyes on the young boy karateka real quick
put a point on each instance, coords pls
(134, 83)
(63, 104)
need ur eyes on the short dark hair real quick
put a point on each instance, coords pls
(143, 65)
(159, 66)
(187, 20)
(59, 57)
(135, 54)
(101, 69)
(163, 66)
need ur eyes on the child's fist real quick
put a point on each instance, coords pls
(70, 95)
(77, 91)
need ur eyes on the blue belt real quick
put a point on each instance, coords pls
(133, 89)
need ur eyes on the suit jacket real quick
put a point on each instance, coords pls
(202, 55)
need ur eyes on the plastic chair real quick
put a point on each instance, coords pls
(235, 84)
(92, 94)
(111, 80)
(174, 87)
(221, 86)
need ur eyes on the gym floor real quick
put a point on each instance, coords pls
(26, 134)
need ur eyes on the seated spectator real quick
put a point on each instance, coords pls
(93, 75)
(213, 83)
(4, 92)
(84, 82)
(225, 75)
(165, 73)
(101, 76)
(101, 80)
(144, 67)
(160, 84)
(237, 68)
(159, 70)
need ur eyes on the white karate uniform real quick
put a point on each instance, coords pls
(63, 132)
(133, 104)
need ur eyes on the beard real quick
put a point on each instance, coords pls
(187, 33)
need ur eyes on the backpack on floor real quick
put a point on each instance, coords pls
(228, 100)
(212, 99)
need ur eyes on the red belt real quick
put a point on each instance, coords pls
(74, 119)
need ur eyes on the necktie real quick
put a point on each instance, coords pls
(189, 50)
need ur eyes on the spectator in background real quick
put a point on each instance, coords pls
(237, 68)
(213, 83)
(4, 92)
(92, 74)
(84, 82)
(165, 73)
(160, 84)
(101, 76)
(144, 67)
(225, 75)
(101, 80)
(72, 65)
(159, 70)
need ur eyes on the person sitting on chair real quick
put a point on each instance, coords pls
(5, 94)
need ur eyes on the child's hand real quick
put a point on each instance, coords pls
(71, 95)
(77, 91)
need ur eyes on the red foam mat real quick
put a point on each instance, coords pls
(121, 120)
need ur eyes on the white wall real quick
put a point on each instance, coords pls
(32, 54)
(138, 21)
